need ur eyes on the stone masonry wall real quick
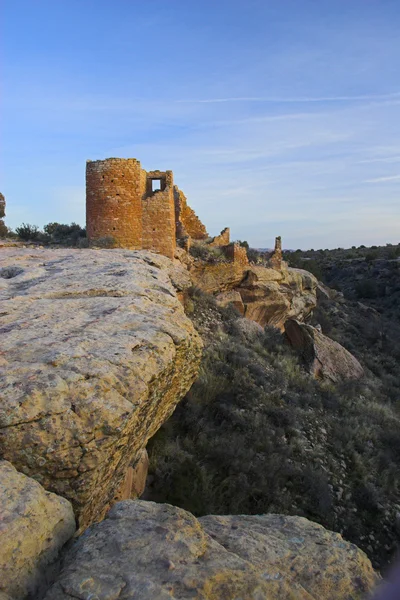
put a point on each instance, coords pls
(236, 253)
(159, 222)
(114, 190)
(275, 260)
(187, 222)
(120, 204)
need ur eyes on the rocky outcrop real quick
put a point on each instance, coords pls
(268, 296)
(96, 351)
(325, 358)
(232, 298)
(145, 551)
(34, 525)
(216, 278)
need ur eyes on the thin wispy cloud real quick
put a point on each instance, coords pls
(383, 179)
(294, 100)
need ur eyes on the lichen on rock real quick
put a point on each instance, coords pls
(96, 352)
(145, 551)
(34, 526)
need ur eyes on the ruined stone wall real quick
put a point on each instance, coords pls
(121, 204)
(159, 223)
(114, 191)
(223, 239)
(187, 222)
(236, 253)
(275, 260)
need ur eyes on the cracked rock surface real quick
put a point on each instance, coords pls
(95, 353)
(149, 551)
(34, 525)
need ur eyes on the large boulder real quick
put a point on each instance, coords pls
(96, 351)
(34, 525)
(325, 358)
(146, 551)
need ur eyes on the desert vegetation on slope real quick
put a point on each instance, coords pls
(257, 434)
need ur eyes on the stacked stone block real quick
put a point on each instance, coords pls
(236, 253)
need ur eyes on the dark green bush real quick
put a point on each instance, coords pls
(28, 233)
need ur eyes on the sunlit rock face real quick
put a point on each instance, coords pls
(96, 351)
(145, 551)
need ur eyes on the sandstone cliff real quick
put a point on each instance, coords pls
(96, 351)
(146, 551)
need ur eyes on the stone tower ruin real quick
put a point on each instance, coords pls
(134, 207)
(139, 209)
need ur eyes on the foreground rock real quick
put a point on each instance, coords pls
(34, 525)
(96, 351)
(324, 358)
(146, 551)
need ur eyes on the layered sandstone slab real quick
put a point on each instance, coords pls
(271, 297)
(34, 525)
(325, 358)
(96, 351)
(265, 295)
(145, 551)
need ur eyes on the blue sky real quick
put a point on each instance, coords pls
(277, 118)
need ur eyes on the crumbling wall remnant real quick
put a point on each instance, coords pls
(187, 222)
(223, 239)
(236, 253)
(275, 260)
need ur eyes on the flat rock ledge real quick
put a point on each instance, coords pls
(96, 351)
(149, 551)
(34, 526)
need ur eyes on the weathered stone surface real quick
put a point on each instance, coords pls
(34, 525)
(214, 279)
(325, 358)
(271, 296)
(146, 551)
(134, 483)
(232, 298)
(297, 554)
(96, 351)
(250, 330)
(139, 475)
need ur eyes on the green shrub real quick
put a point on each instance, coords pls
(28, 233)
